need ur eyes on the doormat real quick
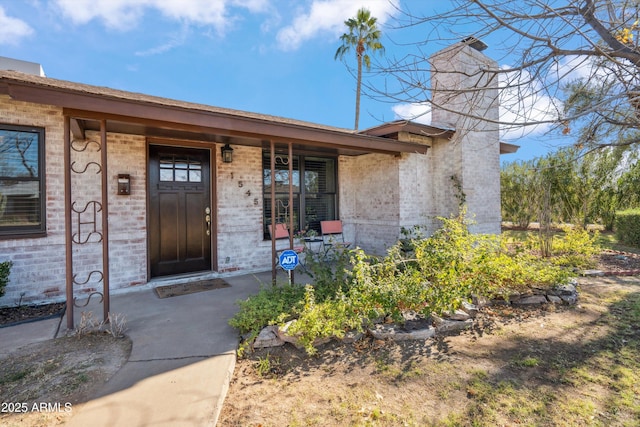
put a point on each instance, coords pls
(190, 288)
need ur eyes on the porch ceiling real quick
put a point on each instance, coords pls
(133, 113)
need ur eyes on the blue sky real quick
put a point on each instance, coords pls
(267, 56)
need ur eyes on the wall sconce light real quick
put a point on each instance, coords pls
(227, 153)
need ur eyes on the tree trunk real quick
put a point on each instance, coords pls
(358, 84)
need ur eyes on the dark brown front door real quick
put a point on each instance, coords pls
(180, 210)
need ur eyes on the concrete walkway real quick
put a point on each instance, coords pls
(182, 359)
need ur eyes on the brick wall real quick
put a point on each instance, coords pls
(475, 153)
(241, 246)
(370, 200)
(381, 194)
(38, 263)
(38, 271)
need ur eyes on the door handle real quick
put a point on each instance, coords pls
(207, 219)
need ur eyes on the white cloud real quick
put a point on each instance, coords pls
(574, 67)
(416, 112)
(521, 101)
(123, 14)
(176, 39)
(329, 16)
(525, 102)
(12, 29)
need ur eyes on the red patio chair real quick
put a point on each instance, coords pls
(332, 235)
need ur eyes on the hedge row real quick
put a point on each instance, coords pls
(627, 226)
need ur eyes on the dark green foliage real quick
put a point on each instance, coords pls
(627, 226)
(5, 270)
(569, 186)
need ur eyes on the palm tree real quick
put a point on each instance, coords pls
(363, 36)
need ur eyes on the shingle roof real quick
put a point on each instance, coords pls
(18, 77)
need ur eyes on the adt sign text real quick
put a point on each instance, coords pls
(288, 260)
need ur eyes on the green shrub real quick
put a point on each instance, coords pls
(387, 286)
(627, 226)
(575, 248)
(331, 318)
(328, 278)
(271, 305)
(5, 271)
(425, 275)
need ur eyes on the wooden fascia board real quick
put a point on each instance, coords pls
(82, 104)
(92, 115)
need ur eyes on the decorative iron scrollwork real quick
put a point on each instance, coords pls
(282, 210)
(85, 143)
(75, 299)
(93, 222)
(89, 276)
(86, 166)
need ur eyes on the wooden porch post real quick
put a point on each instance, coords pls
(273, 213)
(67, 221)
(105, 222)
(291, 209)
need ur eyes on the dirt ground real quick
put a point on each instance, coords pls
(515, 367)
(547, 355)
(41, 383)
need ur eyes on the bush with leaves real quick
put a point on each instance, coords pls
(627, 226)
(5, 271)
(317, 320)
(329, 277)
(575, 248)
(271, 305)
(424, 275)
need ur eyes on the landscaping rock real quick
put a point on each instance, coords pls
(480, 301)
(283, 334)
(592, 273)
(449, 326)
(383, 332)
(420, 322)
(459, 315)
(569, 299)
(553, 299)
(569, 289)
(568, 293)
(471, 309)
(268, 337)
(532, 300)
(352, 336)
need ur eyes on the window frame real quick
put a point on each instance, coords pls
(40, 229)
(300, 195)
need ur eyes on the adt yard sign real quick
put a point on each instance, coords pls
(288, 260)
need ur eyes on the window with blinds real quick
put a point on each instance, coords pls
(21, 181)
(314, 191)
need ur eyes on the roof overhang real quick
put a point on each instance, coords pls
(506, 148)
(398, 127)
(404, 130)
(127, 112)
